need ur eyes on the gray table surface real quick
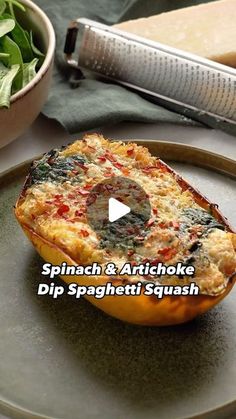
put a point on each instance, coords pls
(45, 134)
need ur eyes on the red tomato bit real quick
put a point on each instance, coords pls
(149, 168)
(130, 151)
(133, 263)
(175, 224)
(155, 261)
(167, 252)
(150, 222)
(63, 209)
(58, 197)
(83, 192)
(88, 186)
(130, 252)
(117, 165)
(84, 233)
(78, 213)
(102, 158)
(82, 166)
(112, 159)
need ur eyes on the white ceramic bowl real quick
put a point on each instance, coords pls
(28, 102)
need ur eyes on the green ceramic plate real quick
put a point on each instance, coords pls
(66, 359)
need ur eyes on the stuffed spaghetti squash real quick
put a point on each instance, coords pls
(184, 227)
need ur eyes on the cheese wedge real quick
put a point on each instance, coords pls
(208, 30)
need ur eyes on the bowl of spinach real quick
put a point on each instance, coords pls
(27, 45)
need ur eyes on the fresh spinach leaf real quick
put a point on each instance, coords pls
(3, 55)
(15, 3)
(2, 7)
(6, 25)
(7, 77)
(20, 58)
(11, 10)
(35, 50)
(29, 71)
(18, 34)
(15, 57)
(3, 70)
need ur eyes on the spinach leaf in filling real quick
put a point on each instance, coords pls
(198, 216)
(126, 233)
(56, 168)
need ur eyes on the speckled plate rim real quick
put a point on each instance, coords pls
(166, 150)
(9, 408)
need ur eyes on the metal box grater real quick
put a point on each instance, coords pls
(184, 82)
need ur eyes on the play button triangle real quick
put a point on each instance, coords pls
(117, 209)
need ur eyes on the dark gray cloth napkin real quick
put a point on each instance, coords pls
(95, 103)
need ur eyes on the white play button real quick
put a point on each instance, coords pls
(116, 210)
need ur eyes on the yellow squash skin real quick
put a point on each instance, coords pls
(141, 310)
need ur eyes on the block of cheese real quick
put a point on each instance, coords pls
(208, 30)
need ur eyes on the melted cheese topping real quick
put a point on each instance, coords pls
(54, 206)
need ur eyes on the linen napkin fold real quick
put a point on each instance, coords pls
(96, 103)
